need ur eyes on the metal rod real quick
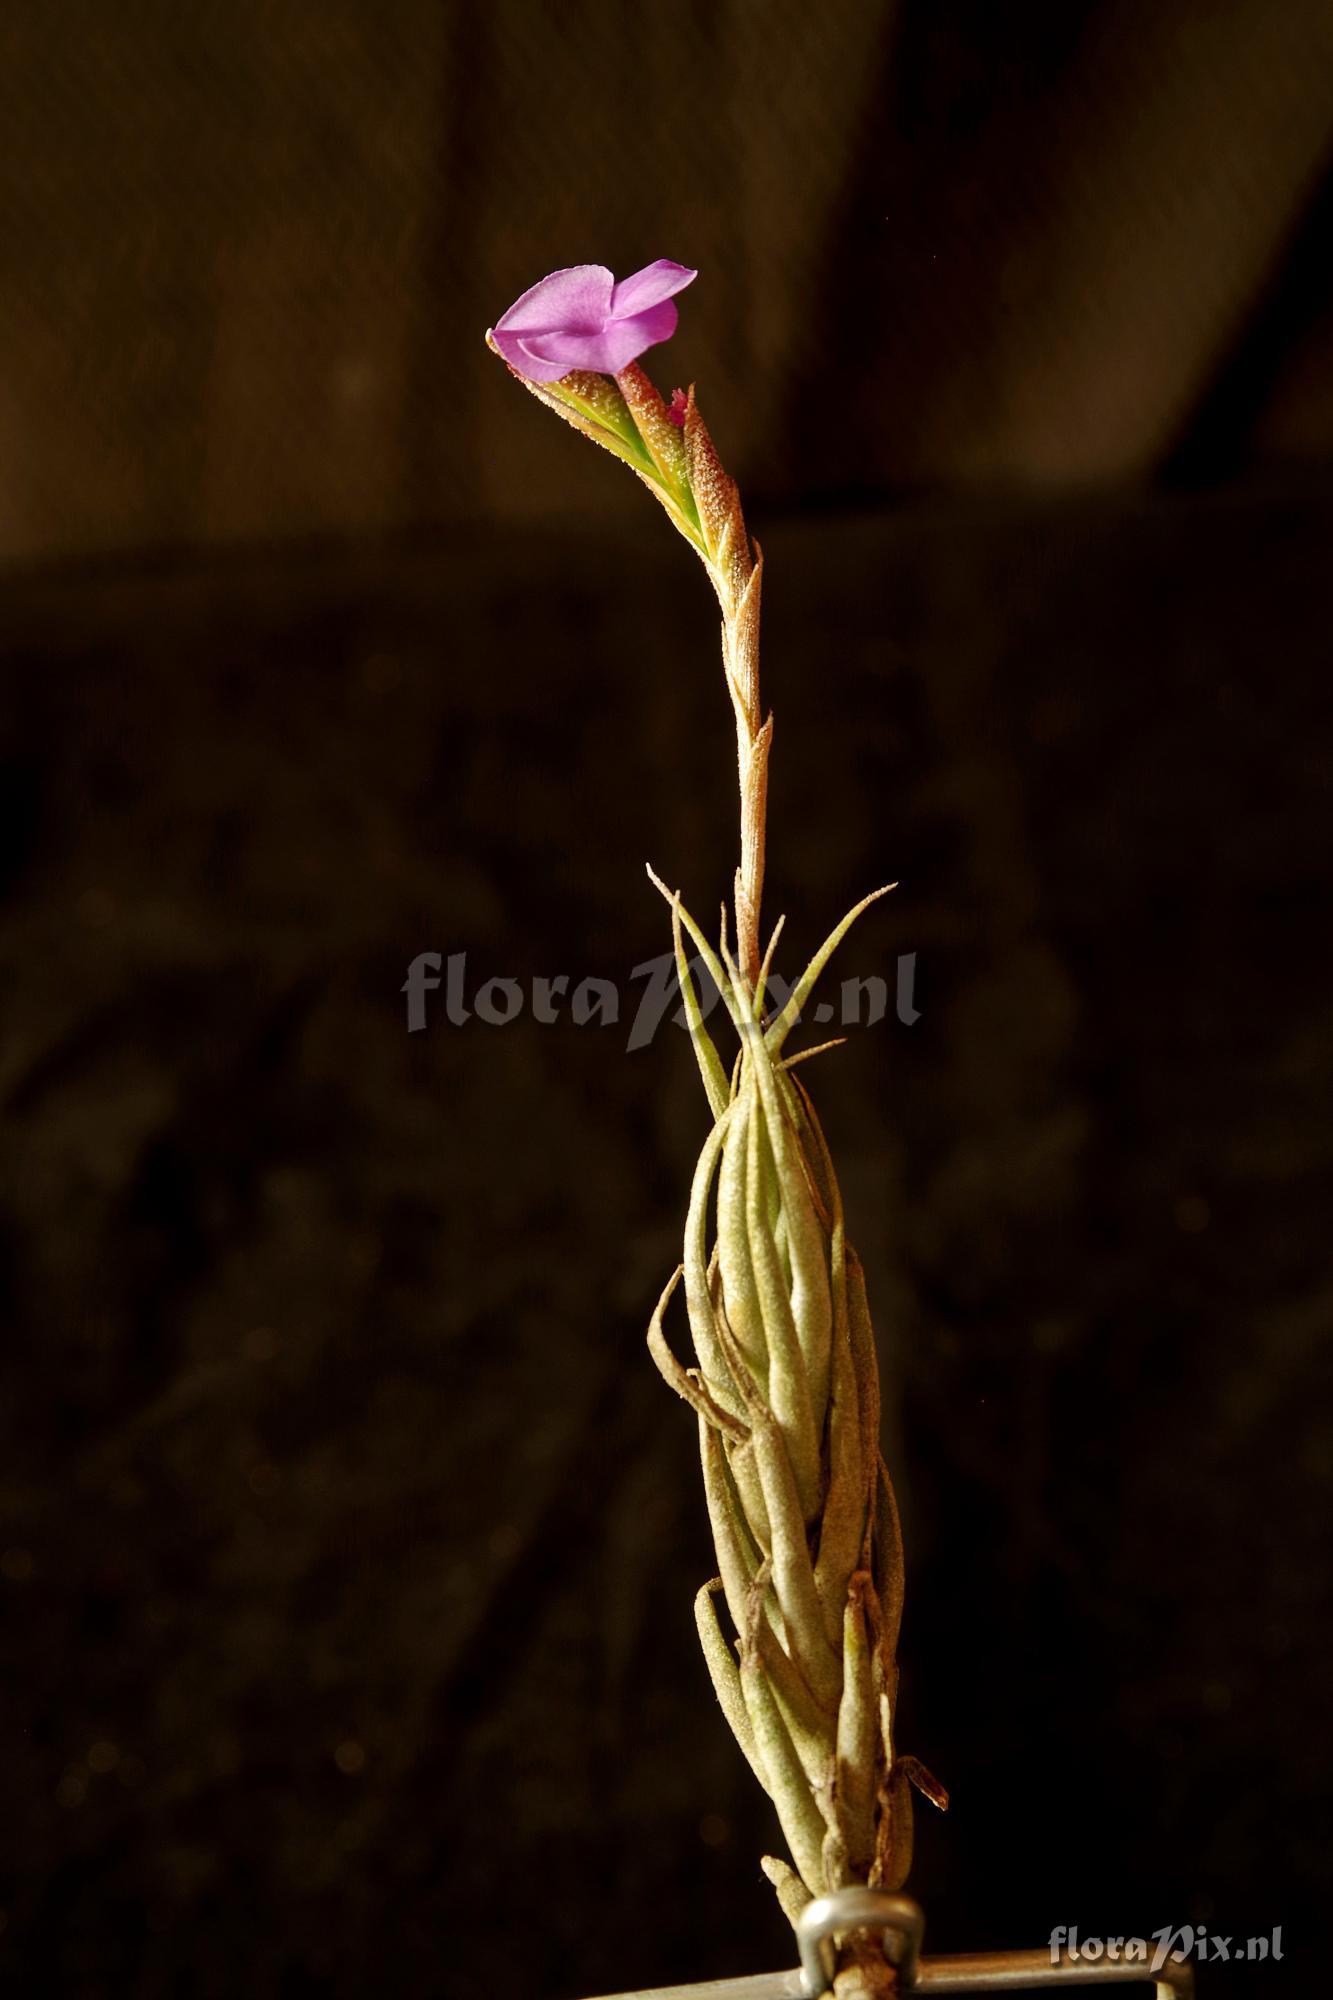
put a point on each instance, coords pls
(753, 1986)
(901, 1922)
(967, 1972)
(1003, 1971)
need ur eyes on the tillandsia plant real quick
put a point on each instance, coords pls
(784, 1382)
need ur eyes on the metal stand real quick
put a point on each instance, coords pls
(901, 1923)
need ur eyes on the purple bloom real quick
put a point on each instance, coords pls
(581, 318)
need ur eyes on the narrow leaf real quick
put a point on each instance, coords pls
(793, 1575)
(888, 1559)
(788, 1382)
(740, 1291)
(807, 1247)
(710, 1062)
(725, 1676)
(791, 1890)
(698, 1298)
(858, 1735)
(867, 1368)
(800, 1818)
(738, 1557)
(701, 945)
(688, 1385)
(787, 1019)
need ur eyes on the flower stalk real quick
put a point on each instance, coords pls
(784, 1381)
(677, 461)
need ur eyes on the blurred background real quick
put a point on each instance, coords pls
(348, 1535)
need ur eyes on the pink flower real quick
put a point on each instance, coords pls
(581, 318)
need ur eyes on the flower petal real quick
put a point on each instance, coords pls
(578, 297)
(650, 286)
(514, 350)
(607, 351)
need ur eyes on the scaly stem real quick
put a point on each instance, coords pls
(740, 638)
(737, 575)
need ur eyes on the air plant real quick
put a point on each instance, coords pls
(784, 1381)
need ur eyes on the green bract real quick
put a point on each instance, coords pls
(625, 415)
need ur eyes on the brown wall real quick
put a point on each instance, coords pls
(249, 250)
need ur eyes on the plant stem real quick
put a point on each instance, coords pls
(738, 595)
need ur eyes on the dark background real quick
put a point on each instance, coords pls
(349, 1536)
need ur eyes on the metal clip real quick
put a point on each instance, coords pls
(901, 1921)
